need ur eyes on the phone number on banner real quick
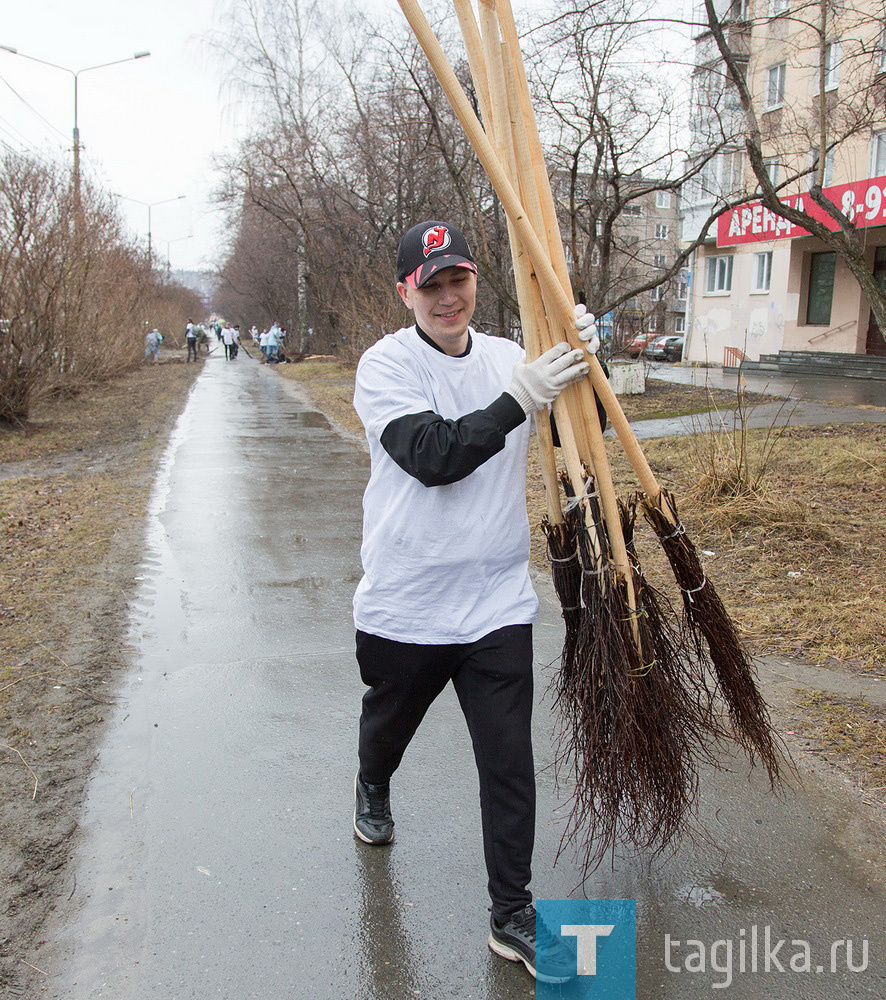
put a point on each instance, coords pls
(862, 202)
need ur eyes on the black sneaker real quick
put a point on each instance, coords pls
(373, 822)
(515, 940)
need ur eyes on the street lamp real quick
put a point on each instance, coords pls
(169, 243)
(149, 205)
(76, 74)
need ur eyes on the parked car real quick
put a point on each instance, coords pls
(635, 348)
(665, 349)
(653, 350)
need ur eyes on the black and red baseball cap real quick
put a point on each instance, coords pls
(430, 247)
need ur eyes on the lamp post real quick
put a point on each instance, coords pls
(150, 205)
(169, 243)
(76, 75)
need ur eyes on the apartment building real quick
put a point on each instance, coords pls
(640, 244)
(758, 283)
(649, 228)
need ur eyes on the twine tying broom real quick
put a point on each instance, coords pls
(634, 731)
(634, 689)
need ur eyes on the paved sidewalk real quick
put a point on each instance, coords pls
(821, 388)
(793, 412)
(781, 676)
(215, 853)
(806, 401)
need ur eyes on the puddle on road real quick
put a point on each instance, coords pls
(308, 418)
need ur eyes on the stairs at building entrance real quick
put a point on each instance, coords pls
(866, 366)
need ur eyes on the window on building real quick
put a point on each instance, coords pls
(707, 179)
(828, 178)
(707, 82)
(662, 231)
(821, 288)
(656, 294)
(598, 227)
(878, 155)
(778, 7)
(772, 168)
(718, 275)
(679, 324)
(831, 65)
(652, 323)
(883, 49)
(659, 260)
(633, 208)
(775, 86)
(682, 290)
(762, 271)
(662, 199)
(595, 257)
(732, 172)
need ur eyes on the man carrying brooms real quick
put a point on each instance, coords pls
(446, 593)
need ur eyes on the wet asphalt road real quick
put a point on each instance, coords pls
(217, 857)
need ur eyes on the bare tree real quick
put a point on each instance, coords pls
(349, 153)
(345, 171)
(613, 123)
(74, 294)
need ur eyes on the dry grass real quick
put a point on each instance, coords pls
(851, 728)
(54, 532)
(800, 565)
(101, 417)
(56, 529)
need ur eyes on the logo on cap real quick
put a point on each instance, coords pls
(434, 239)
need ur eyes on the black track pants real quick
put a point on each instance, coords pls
(493, 680)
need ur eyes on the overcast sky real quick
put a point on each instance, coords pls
(148, 128)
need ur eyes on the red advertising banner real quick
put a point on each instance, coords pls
(862, 201)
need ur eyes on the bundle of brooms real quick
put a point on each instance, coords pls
(641, 685)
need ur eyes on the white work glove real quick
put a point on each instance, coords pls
(587, 328)
(534, 384)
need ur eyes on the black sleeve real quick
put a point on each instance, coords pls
(437, 452)
(601, 413)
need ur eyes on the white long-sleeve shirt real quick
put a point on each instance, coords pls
(447, 563)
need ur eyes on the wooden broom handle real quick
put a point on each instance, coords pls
(553, 290)
(474, 45)
(506, 121)
(620, 423)
(532, 310)
(591, 442)
(542, 186)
